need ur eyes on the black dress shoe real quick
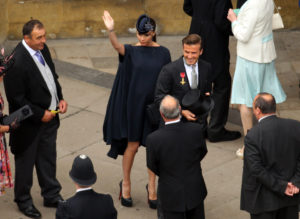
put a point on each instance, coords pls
(52, 203)
(127, 202)
(225, 136)
(31, 211)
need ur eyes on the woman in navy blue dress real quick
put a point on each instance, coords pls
(126, 125)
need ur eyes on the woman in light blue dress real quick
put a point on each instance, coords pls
(255, 67)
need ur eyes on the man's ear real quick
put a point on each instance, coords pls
(256, 111)
(162, 116)
(26, 38)
(201, 51)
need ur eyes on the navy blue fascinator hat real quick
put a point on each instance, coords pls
(144, 25)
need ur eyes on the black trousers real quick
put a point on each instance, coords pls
(221, 96)
(195, 213)
(290, 212)
(41, 154)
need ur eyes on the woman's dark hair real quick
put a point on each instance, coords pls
(30, 25)
(152, 22)
(266, 103)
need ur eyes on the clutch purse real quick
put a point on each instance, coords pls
(277, 22)
(18, 116)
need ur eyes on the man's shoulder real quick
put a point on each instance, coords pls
(19, 50)
(203, 63)
(156, 133)
(103, 196)
(274, 123)
(184, 126)
(289, 121)
(89, 194)
(192, 128)
(178, 62)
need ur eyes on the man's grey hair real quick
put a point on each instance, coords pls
(169, 107)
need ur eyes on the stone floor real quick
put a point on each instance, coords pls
(86, 68)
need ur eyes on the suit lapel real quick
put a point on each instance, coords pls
(201, 78)
(183, 81)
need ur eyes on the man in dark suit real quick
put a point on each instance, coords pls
(176, 78)
(33, 81)
(86, 203)
(209, 20)
(174, 153)
(271, 176)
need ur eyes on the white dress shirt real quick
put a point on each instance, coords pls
(188, 70)
(83, 189)
(172, 122)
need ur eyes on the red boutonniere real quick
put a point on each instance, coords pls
(182, 75)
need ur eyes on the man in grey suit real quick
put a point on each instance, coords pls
(271, 176)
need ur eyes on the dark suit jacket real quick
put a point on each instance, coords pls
(169, 79)
(209, 20)
(87, 205)
(174, 153)
(271, 160)
(24, 84)
(240, 3)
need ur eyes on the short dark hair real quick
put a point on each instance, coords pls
(192, 39)
(265, 102)
(30, 25)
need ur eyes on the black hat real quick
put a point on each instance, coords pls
(143, 24)
(198, 104)
(82, 171)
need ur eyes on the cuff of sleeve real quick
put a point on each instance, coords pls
(283, 185)
(234, 23)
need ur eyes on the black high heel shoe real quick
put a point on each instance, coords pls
(152, 203)
(127, 202)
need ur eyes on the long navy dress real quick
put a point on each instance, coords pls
(133, 89)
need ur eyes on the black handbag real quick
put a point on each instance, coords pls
(18, 116)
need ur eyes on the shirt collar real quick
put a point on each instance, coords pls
(196, 64)
(265, 117)
(172, 122)
(83, 189)
(31, 51)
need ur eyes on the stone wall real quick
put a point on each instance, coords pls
(3, 20)
(82, 18)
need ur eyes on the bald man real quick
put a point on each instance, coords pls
(271, 174)
(174, 153)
